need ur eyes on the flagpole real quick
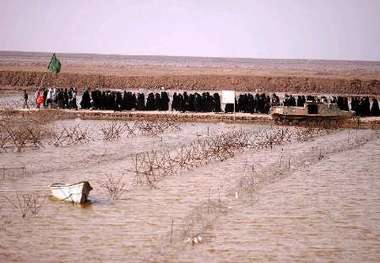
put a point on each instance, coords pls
(234, 105)
(43, 78)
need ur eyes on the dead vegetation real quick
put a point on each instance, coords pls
(26, 203)
(113, 130)
(247, 182)
(194, 229)
(21, 133)
(151, 128)
(32, 130)
(152, 166)
(29, 130)
(199, 222)
(114, 186)
(67, 136)
(155, 128)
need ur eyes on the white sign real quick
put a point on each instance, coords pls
(228, 96)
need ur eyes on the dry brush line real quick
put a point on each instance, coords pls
(67, 136)
(30, 130)
(19, 133)
(249, 182)
(195, 227)
(152, 166)
(114, 130)
(157, 127)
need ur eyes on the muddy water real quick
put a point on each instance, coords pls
(314, 200)
(326, 211)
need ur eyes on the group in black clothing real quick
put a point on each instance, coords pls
(206, 102)
(118, 101)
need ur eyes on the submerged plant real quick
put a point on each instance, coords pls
(27, 203)
(114, 187)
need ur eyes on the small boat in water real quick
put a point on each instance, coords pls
(77, 193)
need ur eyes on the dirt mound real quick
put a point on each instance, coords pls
(293, 84)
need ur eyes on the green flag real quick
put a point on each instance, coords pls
(54, 65)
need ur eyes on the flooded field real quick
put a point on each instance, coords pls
(232, 193)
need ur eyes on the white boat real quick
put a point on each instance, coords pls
(77, 193)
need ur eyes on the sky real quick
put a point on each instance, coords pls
(287, 29)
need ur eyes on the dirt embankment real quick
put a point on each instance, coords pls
(291, 84)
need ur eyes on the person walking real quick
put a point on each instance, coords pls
(39, 99)
(49, 97)
(26, 97)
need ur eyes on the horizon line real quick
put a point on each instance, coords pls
(190, 56)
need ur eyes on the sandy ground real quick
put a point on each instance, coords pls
(19, 70)
(312, 201)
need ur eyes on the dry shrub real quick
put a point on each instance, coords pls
(4, 139)
(20, 133)
(155, 128)
(114, 187)
(200, 220)
(304, 134)
(28, 130)
(27, 203)
(150, 167)
(195, 227)
(113, 130)
(68, 136)
(247, 182)
(131, 129)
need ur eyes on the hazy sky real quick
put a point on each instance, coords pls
(319, 29)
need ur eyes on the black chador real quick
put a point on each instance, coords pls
(150, 102)
(86, 100)
(375, 108)
(164, 101)
(140, 101)
(118, 102)
(217, 103)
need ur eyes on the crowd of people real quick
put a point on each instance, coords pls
(189, 102)
(118, 101)
(54, 98)
(254, 103)
(196, 102)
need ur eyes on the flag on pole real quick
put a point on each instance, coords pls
(228, 96)
(54, 64)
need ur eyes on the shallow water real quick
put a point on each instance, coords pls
(312, 201)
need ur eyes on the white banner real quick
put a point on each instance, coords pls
(228, 96)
